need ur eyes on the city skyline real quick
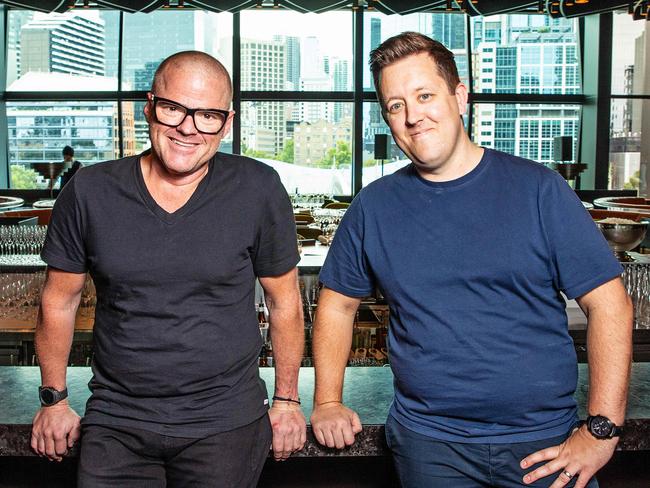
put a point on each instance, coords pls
(510, 54)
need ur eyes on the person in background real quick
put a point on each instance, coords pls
(174, 239)
(472, 249)
(68, 157)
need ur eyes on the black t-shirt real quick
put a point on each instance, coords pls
(176, 333)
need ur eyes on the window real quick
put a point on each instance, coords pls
(308, 143)
(314, 55)
(38, 131)
(283, 54)
(530, 57)
(525, 130)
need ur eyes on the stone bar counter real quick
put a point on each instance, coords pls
(369, 391)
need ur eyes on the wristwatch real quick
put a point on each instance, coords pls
(602, 428)
(51, 396)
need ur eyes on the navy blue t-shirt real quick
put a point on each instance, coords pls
(472, 270)
(176, 335)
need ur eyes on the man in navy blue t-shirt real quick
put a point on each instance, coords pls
(472, 249)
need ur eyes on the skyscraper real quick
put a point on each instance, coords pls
(341, 78)
(63, 43)
(449, 29)
(525, 54)
(293, 60)
(263, 67)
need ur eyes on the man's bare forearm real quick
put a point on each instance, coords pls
(288, 338)
(287, 330)
(609, 346)
(332, 339)
(55, 325)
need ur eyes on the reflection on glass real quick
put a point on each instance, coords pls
(308, 143)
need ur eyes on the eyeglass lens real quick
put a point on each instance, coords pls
(173, 114)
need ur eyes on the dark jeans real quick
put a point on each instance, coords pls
(119, 457)
(423, 462)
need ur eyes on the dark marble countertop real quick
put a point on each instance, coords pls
(369, 391)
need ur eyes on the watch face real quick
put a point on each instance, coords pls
(600, 426)
(47, 396)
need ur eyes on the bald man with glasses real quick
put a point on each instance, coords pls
(174, 239)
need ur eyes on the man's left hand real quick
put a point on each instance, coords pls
(581, 456)
(289, 429)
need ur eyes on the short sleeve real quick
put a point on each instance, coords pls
(276, 252)
(64, 247)
(582, 260)
(346, 268)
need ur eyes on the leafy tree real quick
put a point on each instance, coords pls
(633, 182)
(253, 153)
(338, 157)
(22, 178)
(286, 154)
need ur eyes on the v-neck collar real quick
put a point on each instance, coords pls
(157, 210)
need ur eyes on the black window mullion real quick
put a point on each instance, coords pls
(120, 122)
(357, 129)
(236, 82)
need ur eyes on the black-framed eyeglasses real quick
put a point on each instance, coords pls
(172, 114)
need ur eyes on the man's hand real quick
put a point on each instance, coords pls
(335, 425)
(55, 429)
(289, 429)
(581, 455)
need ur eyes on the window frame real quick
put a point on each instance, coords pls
(358, 96)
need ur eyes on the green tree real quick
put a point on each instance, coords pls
(253, 153)
(286, 154)
(633, 182)
(22, 178)
(337, 157)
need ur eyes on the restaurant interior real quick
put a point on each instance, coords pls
(565, 83)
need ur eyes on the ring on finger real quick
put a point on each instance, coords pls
(567, 474)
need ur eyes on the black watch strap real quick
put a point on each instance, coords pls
(51, 396)
(602, 427)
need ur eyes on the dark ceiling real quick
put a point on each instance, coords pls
(556, 8)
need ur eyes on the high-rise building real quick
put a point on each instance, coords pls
(263, 67)
(449, 29)
(63, 43)
(293, 60)
(525, 54)
(158, 35)
(375, 38)
(18, 18)
(38, 131)
(341, 78)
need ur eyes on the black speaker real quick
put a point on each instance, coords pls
(563, 148)
(382, 146)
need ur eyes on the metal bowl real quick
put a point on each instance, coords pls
(623, 237)
(627, 204)
(10, 202)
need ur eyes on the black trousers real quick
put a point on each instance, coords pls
(120, 457)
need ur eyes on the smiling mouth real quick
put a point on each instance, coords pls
(182, 144)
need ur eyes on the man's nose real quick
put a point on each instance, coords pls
(187, 126)
(414, 114)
